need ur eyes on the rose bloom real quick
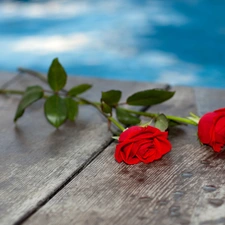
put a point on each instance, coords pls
(142, 144)
(211, 129)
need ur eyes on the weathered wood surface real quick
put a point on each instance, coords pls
(209, 99)
(6, 77)
(172, 190)
(36, 160)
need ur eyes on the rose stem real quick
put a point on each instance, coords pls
(36, 74)
(115, 122)
(154, 115)
(96, 105)
(16, 92)
(44, 79)
(33, 73)
(13, 92)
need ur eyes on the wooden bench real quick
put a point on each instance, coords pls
(69, 176)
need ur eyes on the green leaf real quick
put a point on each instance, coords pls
(161, 122)
(55, 110)
(149, 97)
(111, 97)
(72, 108)
(79, 89)
(31, 95)
(125, 117)
(57, 76)
(106, 108)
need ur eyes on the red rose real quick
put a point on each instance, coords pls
(141, 144)
(211, 129)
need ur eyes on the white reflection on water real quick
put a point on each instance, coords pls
(111, 39)
(48, 9)
(51, 44)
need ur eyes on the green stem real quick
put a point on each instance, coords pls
(181, 120)
(38, 75)
(13, 92)
(33, 73)
(170, 117)
(116, 123)
(122, 103)
(96, 105)
(193, 115)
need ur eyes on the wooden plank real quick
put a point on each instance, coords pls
(172, 190)
(6, 79)
(167, 191)
(209, 99)
(210, 207)
(36, 160)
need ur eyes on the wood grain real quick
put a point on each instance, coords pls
(36, 160)
(209, 99)
(210, 207)
(110, 193)
(6, 77)
(167, 191)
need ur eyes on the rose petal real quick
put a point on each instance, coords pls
(217, 146)
(150, 153)
(132, 161)
(221, 110)
(129, 132)
(144, 150)
(165, 146)
(205, 126)
(158, 150)
(123, 152)
(117, 154)
(150, 158)
(135, 149)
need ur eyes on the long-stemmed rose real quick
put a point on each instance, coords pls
(138, 143)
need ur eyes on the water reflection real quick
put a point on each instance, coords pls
(179, 42)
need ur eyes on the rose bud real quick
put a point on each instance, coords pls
(211, 129)
(141, 144)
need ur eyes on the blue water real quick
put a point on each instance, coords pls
(173, 41)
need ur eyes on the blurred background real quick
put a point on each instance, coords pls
(170, 41)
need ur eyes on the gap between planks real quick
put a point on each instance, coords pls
(50, 195)
(91, 159)
(109, 193)
(57, 190)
